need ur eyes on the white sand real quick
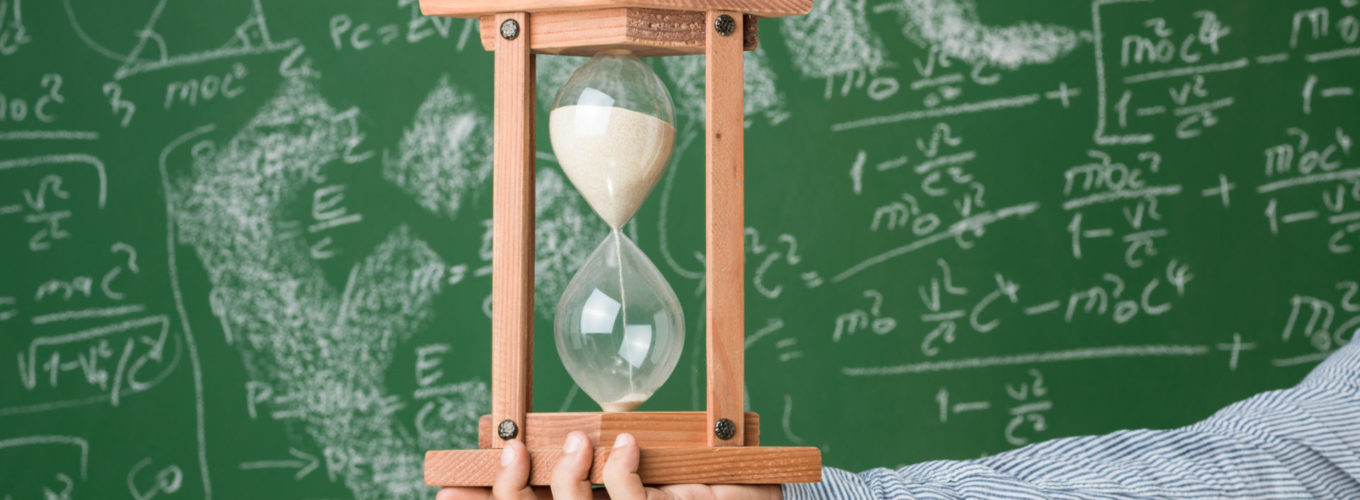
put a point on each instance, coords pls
(614, 156)
(628, 402)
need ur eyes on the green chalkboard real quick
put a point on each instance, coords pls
(245, 245)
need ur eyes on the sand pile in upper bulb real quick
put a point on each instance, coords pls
(613, 156)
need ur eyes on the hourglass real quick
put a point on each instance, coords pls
(618, 326)
(612, 127)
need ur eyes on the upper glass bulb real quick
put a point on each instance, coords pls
(612, 129)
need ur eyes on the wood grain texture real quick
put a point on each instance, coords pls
(724, 214)
(512, 246)
(703, 465)
(652, 429)
(645, 32)
(478, 8)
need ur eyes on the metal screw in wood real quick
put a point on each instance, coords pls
(509, 29)
(507, 430)
(724, 429)
(725, 25)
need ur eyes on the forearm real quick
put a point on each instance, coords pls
(1294, 443)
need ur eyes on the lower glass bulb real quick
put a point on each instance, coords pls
(619, 327)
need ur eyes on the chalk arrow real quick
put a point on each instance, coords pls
(305, 463)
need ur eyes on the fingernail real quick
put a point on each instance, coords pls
(574, 443)
(506, 455)
(622, 440)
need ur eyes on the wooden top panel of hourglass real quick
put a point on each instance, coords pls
(479, 8)
(645, 32)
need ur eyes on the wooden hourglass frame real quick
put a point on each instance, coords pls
(721, 444)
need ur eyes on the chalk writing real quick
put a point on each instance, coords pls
(1030, 403)
(958, 205)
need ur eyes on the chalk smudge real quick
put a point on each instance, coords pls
(446, 153)
(833, 39)
(953, 26)
(323, 349)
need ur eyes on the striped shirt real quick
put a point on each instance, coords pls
(1302, 442)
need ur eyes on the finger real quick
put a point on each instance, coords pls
(748, 491)
(724, 491)
(570, 476)
(620, 472)
(512, 482)
(684, 491)
(463, 494)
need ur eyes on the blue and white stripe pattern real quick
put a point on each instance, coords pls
(1302, 442)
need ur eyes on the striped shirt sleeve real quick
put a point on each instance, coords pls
(1301, 442)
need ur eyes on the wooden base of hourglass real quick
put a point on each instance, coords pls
(673, 451)
(677, 447)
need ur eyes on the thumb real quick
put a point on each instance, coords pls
(512, 482)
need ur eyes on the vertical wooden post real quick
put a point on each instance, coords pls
(512, 245)
(724, 219)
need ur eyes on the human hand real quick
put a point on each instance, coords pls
(569, 480)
